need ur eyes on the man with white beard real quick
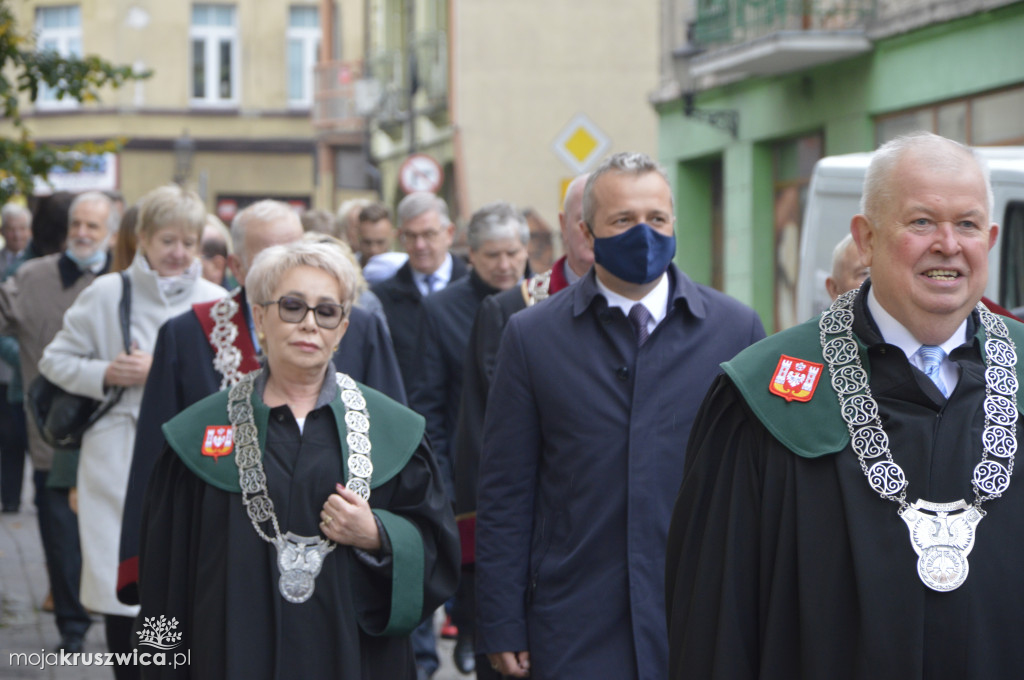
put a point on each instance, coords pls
(32, 306)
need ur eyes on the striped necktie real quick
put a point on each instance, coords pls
(640, 318)
(931, 359)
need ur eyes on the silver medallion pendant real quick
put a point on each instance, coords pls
(942, 535)
(299, 558)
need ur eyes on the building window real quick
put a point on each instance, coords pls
(991, 119)
(214, 50)
(59, 29)
(303, 44)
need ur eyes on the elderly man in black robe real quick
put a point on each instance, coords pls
(848, 508)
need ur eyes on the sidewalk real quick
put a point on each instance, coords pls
(23, 585)
(26, 629)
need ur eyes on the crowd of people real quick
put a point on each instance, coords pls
(323, 428)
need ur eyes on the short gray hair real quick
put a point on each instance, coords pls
(419, 202)
(629, 162)
(113, 214)
(223, 233)
(345, 211)
(346, 250)
(497, 220)
(839, 251)
(266, 210)
(14, 210)
(171, 205)
(939, 152)
(272, 263)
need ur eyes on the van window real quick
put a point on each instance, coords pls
(1011, 268)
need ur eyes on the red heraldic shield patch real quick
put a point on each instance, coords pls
(218, 441)
(795, 379)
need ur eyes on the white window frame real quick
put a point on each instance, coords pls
(309, 37)
(212, 37)
(66, 41)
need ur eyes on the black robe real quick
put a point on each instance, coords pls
(785, 567)
(182, 373)
(202, 563)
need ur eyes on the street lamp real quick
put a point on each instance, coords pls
(184, 151)
(723, 119)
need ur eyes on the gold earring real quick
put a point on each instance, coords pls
(261, 336)
(335, 350)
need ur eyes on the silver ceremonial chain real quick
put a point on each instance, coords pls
(299, 558)
(942, 534)
(228, 357)
(538, 288)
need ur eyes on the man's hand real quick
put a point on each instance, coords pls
(347, 519)
(512, 664)
(73, 499)
(128, 370)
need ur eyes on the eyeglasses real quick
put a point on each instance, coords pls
(293, 310)
(429, 236)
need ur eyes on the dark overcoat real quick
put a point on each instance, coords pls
(182, 373)
(445, 324)
(401, 300)
(584, 441)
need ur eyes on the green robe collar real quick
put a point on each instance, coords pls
(814, 427)
(395, 432)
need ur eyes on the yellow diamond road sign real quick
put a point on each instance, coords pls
(580, 144)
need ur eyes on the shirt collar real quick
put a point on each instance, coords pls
(442, 273)
(655, 301)
(570, 276)
(895, 333)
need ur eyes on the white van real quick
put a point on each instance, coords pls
(834, 198)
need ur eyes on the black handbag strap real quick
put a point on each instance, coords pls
(126, 312)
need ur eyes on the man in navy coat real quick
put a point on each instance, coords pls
(426, 231)
(593, 397)
(210, 347)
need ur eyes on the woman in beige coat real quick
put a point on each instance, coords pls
(88, 357)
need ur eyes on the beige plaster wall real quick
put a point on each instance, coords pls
(524, 69)
(250, 174)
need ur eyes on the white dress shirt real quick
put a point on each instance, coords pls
(656, 301)
(895, 333)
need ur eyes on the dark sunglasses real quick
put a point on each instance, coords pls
(293, 310)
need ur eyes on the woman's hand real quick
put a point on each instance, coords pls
(128, 370)
(347, 519)
(73, 499)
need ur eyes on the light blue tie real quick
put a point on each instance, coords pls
(432, 280)
(931, 359)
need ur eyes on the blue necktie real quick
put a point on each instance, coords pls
(931, 359)
(432, 280)
(640, 317)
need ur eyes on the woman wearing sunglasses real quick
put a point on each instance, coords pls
(296, 525)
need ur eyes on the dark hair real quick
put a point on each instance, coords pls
(375, 212)
(50, 223)
(212, 247)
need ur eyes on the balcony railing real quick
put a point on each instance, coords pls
(726, 22)
(432, 60)
(390, 68)
(335, 101)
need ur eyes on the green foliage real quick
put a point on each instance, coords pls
(23, 71)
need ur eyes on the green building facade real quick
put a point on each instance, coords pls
(739, 200)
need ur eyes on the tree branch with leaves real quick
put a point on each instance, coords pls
(23, 72)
